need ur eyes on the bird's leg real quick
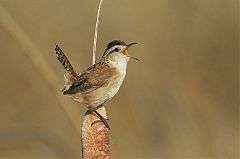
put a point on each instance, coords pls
(101, 118)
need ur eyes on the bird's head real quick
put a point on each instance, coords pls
(118, 50)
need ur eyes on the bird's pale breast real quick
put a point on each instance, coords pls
(107, 91)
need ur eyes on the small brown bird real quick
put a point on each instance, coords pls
(101, 81)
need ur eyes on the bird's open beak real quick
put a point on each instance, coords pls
(129, 45)
(125, 51)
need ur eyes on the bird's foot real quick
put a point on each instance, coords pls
(101, 118)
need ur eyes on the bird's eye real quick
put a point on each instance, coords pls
(116, 49)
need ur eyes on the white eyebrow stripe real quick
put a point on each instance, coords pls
(111, 49)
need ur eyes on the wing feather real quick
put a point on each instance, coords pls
(90, 80)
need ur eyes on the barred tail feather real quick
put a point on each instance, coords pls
(70, 76)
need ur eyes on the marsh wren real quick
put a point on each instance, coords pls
(101, 81)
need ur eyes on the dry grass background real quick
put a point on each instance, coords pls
(180, 101)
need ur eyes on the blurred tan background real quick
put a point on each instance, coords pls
(180, 101)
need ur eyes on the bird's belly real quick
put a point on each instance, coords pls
(105, 93)
(102, 94)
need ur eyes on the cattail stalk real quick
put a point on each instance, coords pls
(95, 138)
(96, 33)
